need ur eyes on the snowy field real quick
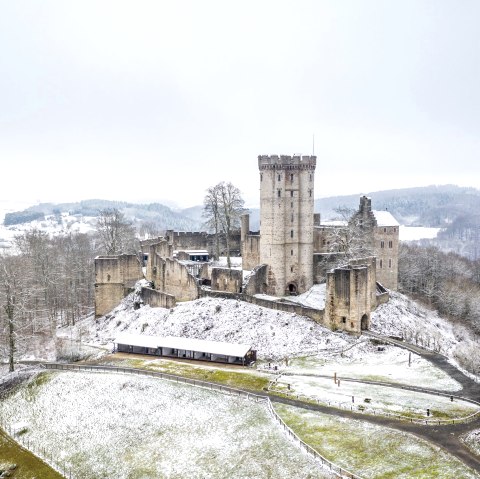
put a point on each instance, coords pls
(381, 399)
(106, 426)
(54, 226)
(373, 451)
(366, 362)
(472, 439)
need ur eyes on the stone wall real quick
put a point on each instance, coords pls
(386, 243)
(323, 263)
(186, 240)
(157, 299)
(115, 276)
(256, 282)
(348, 303)
(229, 280)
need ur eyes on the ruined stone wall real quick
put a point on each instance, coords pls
(324, 238)
(371, 264)
(250, 243)
(157, 299)
(187, 240)
(286, 218)
(256, 282)
(348, 300)
(114, 278)
(224, 279)
(386, 241)
(323, 263)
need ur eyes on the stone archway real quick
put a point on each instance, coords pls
(292, 289)
(364, 323)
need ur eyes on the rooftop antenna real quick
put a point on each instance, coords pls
(313, 145)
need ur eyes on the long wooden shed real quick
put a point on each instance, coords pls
(185, 348)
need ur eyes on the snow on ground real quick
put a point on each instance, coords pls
(472, 439)
(365, 361)
(54, 226)
(414, 233)
(380, 398)
(274, 334)
(105, 425)
(373, 451)
(415, 323)
(313, 298)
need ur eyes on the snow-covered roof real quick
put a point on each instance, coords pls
(187, 344)
(385, 218)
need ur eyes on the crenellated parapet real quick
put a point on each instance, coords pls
(286, 162)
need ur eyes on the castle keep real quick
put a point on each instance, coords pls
(292, 251)
(286, 219)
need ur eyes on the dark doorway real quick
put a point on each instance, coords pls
(364, 323)
(292, 289)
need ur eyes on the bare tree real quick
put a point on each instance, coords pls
(223, 206)
(211, 211)
(351, 236)
(13, 295)
(115, 232)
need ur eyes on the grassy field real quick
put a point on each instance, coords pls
(107, 426)
(372, 451)
(28, 465)
(230, 376)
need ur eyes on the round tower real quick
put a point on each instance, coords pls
(286, 221)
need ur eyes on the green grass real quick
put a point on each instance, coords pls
(28, 465)
(246, 379)
(370, 450)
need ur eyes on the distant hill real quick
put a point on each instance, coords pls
(156, 215)
(434, 206)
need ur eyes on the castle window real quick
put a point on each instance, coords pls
(291, 233)
(261, 176)
(382, 244)
(324, 242)
(291, 193)
(279, 192)
(291, 205)
(310, 193)
(394, 230)
(384, 230)
(390, 244)
(291, 252)
(344, 319)
(291, 177)
(291, 269)
(389, 263)
(381, 264)
(279, 177)
(310, 177)
(292, 217)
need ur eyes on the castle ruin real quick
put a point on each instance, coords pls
(292, 251)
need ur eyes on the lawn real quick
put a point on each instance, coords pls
(113, 425)
(370, 450)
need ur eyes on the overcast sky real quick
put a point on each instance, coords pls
(156, 101)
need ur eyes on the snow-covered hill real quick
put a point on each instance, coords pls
(274, 334)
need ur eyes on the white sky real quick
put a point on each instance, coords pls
(156, 100)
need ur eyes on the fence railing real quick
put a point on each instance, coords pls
(376, 412)
(335, 469)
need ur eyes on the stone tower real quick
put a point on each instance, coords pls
(286, 221)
